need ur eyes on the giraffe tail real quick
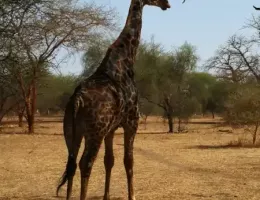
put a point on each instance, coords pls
(69, 172)
(71, 163)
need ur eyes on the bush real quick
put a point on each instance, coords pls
(243, 109)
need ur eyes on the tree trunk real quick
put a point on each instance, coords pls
(170, 122)
(30, 109)
(1, 118)
(145, 122)
(30, 121)
(20, 119)
(20, 113)
(169, 112)
(179, 125)
(29, 97)
(255, 133)
(213, 114)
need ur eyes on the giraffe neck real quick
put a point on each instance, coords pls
(129, 38)
(120, 57)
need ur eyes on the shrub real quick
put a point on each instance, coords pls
(243, 109)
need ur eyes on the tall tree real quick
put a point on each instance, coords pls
(236, 60)
(35, 31)
(161, 76)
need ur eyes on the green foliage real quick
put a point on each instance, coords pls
(94, 55)
(185, 106)
(200, 85)
(148, 69)
(184, 60)
(55, 91)
(146, 108)
(243, 106)
(162, 78)
(220, 92)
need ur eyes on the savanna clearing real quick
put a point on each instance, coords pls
(189, 166)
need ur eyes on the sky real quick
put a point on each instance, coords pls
(206, 24)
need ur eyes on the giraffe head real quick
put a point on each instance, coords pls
(163, 4)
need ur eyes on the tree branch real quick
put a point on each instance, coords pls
(158, 104)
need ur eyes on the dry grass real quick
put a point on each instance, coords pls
(166, 166)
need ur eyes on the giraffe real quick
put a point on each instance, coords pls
(106, 100)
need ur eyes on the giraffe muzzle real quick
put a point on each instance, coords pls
(167, 6)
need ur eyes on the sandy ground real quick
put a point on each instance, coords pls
(186, 166)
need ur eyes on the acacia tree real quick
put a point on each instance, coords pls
(236, 61)
(185, 60)
(34, 32)
(161, 77)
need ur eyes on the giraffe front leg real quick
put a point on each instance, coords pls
(108, 162)
(129, 135)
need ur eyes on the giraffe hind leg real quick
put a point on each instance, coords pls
(87, 160)
(108, 162)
